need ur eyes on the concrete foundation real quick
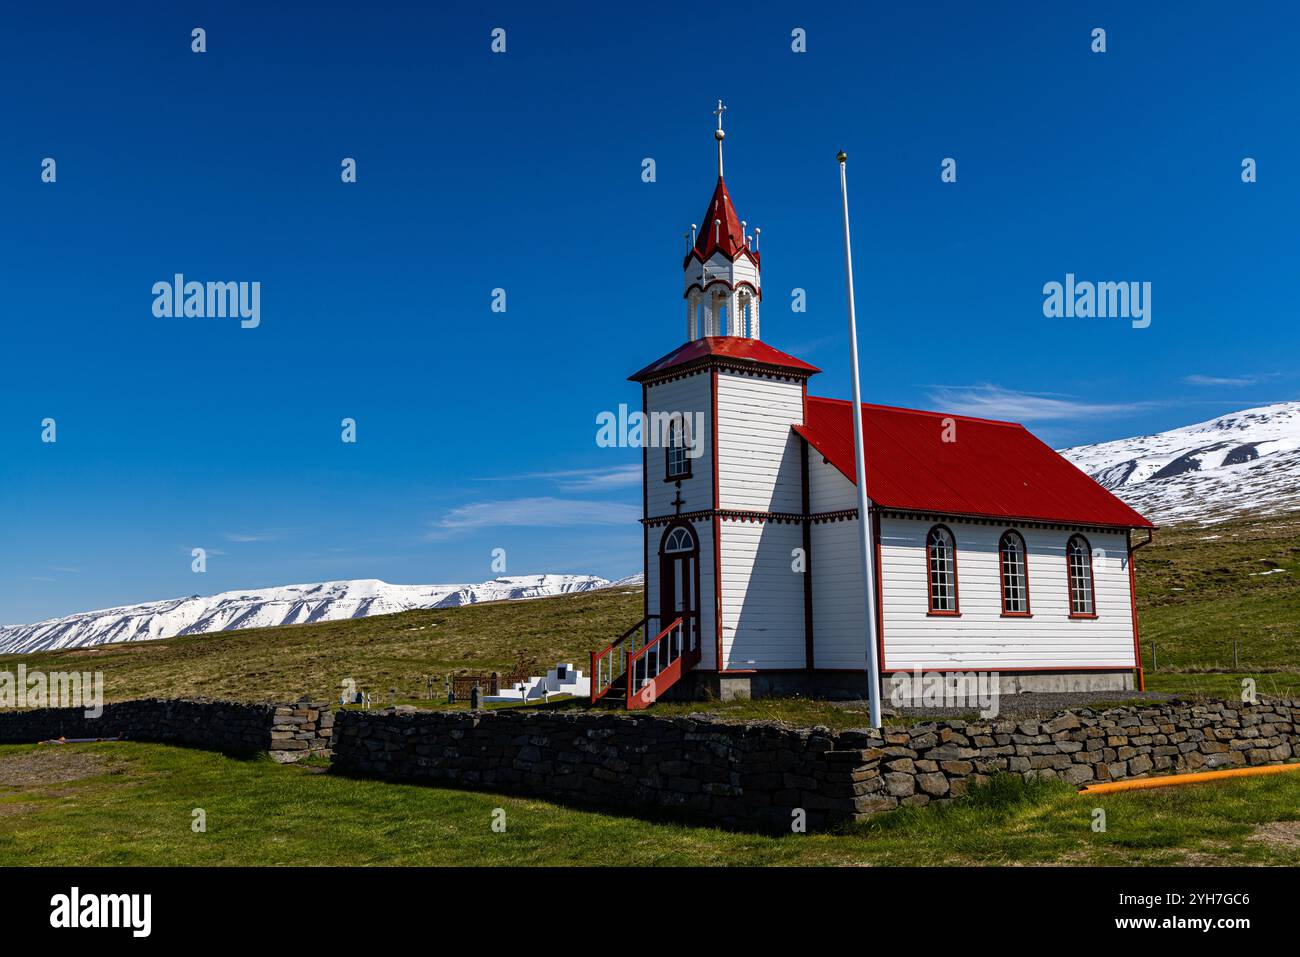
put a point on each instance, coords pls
(851, 685)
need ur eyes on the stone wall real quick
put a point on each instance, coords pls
(752, 775)
(289, 732)
(749, 775)
(757, 774)
(932, 762)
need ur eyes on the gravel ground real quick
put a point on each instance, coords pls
(1028, 705)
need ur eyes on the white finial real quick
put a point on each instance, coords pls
(693, 228)
(757, 232)
(719, 135)
(717, 230)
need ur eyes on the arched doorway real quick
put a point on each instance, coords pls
(679, 583)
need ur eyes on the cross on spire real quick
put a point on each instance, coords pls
(719, 134)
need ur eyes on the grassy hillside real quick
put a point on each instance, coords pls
(387, 651)
(1198, 590)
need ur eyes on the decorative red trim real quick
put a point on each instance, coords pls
(1002, 520)
(645, 510)
(1069, 581)
(1002, 577)
(880, 591)
(741, 515)
(743, 251)
(1133, 603)
(746, 366)
(665, 568)
(717, 521)
(758, 293)
(933, 612)
(948, 666)
(807, 558)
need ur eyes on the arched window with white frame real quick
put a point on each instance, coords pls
(941, 571)
(1013, 574)
(1078, 560)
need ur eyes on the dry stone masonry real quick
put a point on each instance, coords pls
(289, 732)
(757, 774)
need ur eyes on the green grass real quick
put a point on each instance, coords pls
(136, 809)
(1200, 589)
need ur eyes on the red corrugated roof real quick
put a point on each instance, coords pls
(727, 238)
(735, 348)
(994, 469)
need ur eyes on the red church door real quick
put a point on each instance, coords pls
(679, 589)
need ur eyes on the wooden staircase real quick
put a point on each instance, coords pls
(635, 670)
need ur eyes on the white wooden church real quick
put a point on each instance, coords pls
(992, 552)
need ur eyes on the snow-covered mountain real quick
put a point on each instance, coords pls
(1244, 462)
(262, 607)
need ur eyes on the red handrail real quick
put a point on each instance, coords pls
(661, 663)
(603, 668)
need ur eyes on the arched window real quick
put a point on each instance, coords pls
(1078, 560)
(677, 461)
(941, 569)
(1014, 574)
(679, 540)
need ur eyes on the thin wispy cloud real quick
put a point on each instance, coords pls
(1214, 380)
(995, 402)
(582, 480)
(537, 512)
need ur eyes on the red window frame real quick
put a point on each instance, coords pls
(1069, 579)
(955, 611)
(677, 427)
(1002, 580)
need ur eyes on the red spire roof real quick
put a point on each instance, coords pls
(728, 238)
(993, 469)
(733, 348)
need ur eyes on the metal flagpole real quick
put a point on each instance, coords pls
(864, 514)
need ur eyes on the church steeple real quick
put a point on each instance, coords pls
(722, 267)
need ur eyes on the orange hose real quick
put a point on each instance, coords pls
(1172, 780)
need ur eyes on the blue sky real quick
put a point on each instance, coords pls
(476, 430)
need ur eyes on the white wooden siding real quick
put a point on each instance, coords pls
(980, 638)
(839, 640)
(762, 596)
(828, 489)
(758, 453)
(687, 396)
